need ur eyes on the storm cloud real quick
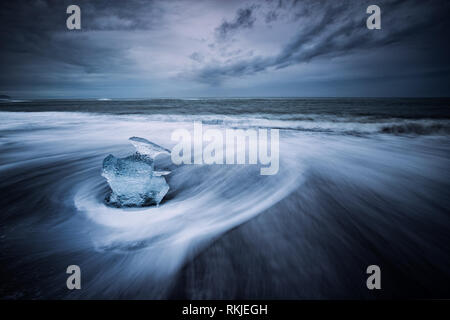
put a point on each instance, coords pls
(140, 48)
(244, 19)
(337, 29)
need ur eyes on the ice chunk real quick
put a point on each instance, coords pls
(133, 180)
(145, 147)
(160, 173)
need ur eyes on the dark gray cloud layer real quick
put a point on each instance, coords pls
(37, 49)
(159, 46)
(338, 28)
(244, 19)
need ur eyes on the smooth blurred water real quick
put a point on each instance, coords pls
(361, 181)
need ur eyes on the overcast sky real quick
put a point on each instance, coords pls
(138, 48)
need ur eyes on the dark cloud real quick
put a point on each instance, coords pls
(271, 16)
(37, 47)
(198, 57)
(338, 28)
(38, 52)
(244, 19)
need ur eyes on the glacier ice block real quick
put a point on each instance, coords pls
(133, 179)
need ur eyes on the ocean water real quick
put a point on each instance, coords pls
(361, 182)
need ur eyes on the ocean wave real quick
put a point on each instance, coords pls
(332, 194)
(308, 123)
(318, 123)
(417, 128)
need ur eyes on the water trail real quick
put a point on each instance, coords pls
(330, 187)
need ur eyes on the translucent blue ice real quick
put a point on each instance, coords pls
(133, 180)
